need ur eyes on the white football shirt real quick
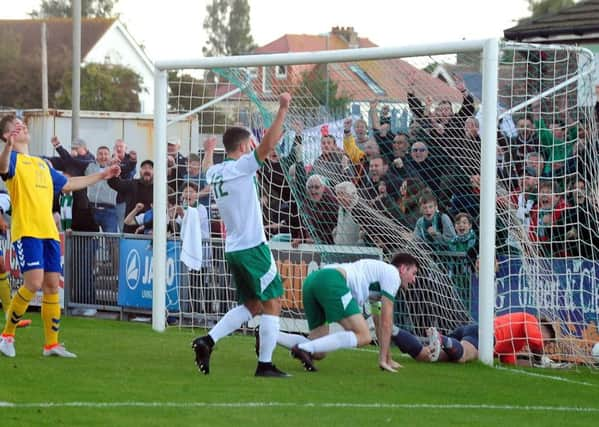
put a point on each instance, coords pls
(370, 279)
(235, 189)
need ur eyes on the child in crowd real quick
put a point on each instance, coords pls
(465, 238)
(433, 227)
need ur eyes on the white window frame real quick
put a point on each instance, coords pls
(264, 78)
(279, 75)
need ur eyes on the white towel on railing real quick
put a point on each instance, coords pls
(191, 235)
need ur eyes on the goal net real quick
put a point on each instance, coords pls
(382, 155)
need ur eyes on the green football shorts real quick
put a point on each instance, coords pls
(327, 298)
(255, 274)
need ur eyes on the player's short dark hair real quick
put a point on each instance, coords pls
(402, 258)
(9, 118)
(233, 137)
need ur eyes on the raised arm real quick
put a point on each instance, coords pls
(349, 143)
(374, 116)
(275, 131)
(467, 109)
(130, 218)
(5, 155)
(80, 182)
(66, 157)
(209, 146)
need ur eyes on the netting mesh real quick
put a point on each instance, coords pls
(384, 156)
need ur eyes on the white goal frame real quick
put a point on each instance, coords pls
(489, 49)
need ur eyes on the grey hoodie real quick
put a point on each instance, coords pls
(100, 192)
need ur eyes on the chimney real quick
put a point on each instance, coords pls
(348, 34)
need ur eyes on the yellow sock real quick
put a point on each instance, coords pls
(16, 310)
(51, 318)
(4, 291)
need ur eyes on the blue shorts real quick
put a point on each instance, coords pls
(467, 333)
(35, 254)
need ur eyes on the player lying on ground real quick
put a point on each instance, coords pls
(513, 332)
(336, 293)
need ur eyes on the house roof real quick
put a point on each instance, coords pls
(579, 19)
(59, 34)
(309, 43)
(392, 76)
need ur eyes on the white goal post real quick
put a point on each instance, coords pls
(489, 48)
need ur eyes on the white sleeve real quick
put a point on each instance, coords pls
(248, 164)
(139, 219)
(4, 202)
(389, 281)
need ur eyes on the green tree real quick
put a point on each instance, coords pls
(63, 9)
(227, 24)
(104, 87)
(187, 93)
(316, 83)
(541, 7)
(20, 74)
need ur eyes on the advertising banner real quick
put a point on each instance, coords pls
(136, 274)
(566, 288)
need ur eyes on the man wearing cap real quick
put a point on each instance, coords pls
(136, 191)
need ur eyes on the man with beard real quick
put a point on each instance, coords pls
(136, 191)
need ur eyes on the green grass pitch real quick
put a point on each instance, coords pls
(128, 375)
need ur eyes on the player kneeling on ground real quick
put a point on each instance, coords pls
(336, 293)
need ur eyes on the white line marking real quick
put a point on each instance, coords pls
(548, 377)
(295, 405)
(515, 371)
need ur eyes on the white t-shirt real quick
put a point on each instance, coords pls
(4, 202)
(235, 189)
(370, 279)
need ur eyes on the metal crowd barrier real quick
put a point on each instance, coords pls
(92, 261)
(91, 271)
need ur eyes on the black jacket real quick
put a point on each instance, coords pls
(133, 191)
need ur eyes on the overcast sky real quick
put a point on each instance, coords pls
(173, 28)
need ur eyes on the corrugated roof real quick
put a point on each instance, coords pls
(580, 19)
